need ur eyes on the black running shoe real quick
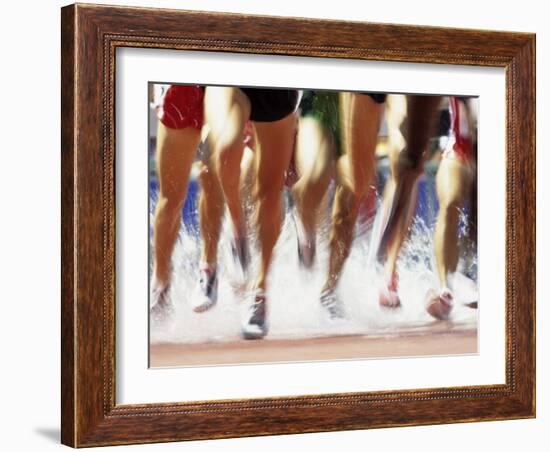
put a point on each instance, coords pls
(333, 305)
(254, 325)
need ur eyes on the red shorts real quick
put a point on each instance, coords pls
(460, 143)
(182, 106)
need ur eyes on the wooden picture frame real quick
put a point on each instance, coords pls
(90, 36)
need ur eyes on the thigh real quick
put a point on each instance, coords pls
(315, 148)
(360, 117)
(226, 111)
(454, 180)
(275, 142)
(396, 113)
(176, 149)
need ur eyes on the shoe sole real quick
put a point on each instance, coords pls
(204, 307)
(254, 336)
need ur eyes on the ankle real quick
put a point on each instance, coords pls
(205, 266)
(159, 284)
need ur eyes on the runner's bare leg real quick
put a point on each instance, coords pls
(175, 152)
(360, 116)
(274, 145)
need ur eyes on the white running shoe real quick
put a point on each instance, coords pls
(208, 289)
(332, 304)
(254, 325)
(160, 306)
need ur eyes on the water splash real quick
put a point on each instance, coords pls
(294, 310)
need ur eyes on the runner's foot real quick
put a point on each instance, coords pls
(439, 305)
(332, 304)
(388, 297)
(254, 325)
(160, 302)
(208, 289)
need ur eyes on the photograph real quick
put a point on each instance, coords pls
(290, 224)
(296, 224)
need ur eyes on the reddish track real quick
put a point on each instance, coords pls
(433, 342)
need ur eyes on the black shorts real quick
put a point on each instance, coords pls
(444, 123)
(269, 105)
(379, 98)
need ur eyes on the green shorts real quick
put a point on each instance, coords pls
(324, 106)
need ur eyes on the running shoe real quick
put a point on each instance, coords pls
(160, 301)
(439, 305)
(208, 289)
(388, 297)
(332, 304)
(254, 325)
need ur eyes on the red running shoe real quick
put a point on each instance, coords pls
(388, 297)
(439, 305)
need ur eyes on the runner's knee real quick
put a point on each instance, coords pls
(269, 190)
(169, 204)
